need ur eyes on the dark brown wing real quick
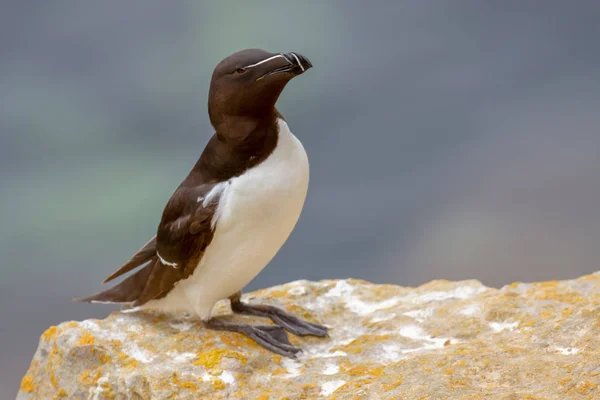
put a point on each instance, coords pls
(184, 232)
(183, 235)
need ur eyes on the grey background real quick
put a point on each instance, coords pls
(447, 140)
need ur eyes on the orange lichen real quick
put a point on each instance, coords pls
(363, 342)
(362, 370)
(86, 339)
(278, 293)
(127, 362)
(83, 376)
(27, 385)
(279, 371)
(59, 394)
(567, 312)
(49, 334)
(514, 285)
(218, 384)
(586, 387)
(53, 379)
(237, 340)
(391, 386)
(88, 377)
(103, 357)
(564, 381)
(188, 385)
(587, 278)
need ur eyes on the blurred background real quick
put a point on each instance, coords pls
(449, 140)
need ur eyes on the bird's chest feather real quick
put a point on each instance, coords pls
(273, 190)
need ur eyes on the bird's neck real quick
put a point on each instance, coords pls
(239, 143)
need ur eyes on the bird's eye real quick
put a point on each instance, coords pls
(240, 70)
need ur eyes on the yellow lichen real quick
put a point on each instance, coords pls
(586, 387)
(236, 340)
(218, 384)
(587, 278)
(362, 370)
(278, 293)
(188, 385)
(564, 381)
(53, 379)
(59, 394)
(103, 358)
(279, 371)
(83, 376)
(567, 312)
(90, 378)
(27, 385)
(49, 334)
(86, 339)
(514, 285)
(127, 362)
(212, 359)
(391, 386)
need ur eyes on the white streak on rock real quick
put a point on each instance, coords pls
(359, 307)
(384, 317)
(292, 366)
(227, 377)
(139, 354)
(329, 387)
(420, 314)
(416, 333)
(567, 350)
(181, 357)
(461, 292)
(392, 351)
(341, 288)
(471, 309)
(297, 291)
(503, 326)
(331, 369)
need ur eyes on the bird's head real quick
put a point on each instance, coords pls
(247, 84)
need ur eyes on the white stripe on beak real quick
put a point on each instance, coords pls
(266, 60)
(298, 61)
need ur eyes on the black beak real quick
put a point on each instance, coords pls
(299, 61)
(294, 63)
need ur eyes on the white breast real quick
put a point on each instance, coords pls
(257, 212)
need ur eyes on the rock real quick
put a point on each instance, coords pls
(443, 340)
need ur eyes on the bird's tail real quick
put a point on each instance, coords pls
(125, 292)
(142, 256)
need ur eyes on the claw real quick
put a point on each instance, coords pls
(282, 318)
(271, 337)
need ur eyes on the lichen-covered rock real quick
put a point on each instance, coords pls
(443, 340)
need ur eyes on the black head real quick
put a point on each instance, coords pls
(248, 83)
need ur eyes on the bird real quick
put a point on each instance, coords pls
(233, 211)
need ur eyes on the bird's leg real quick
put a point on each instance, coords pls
(282, 318)
(271, 337)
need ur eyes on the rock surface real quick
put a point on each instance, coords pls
(443, 340)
